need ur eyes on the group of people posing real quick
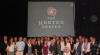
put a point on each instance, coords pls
(49, 45)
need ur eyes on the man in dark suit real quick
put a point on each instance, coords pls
(4, 45)
(1, 46)
(79, 49)
(25, 41)
(93, 46)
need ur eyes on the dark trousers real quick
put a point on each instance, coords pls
(61, 52)
(34, 53)
(87, 53)
(24, 53)
(4, 53)
(39, 53)
(92, 53)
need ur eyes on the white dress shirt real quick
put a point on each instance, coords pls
(86, 46)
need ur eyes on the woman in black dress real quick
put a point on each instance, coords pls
(39, 47)
(34, 47)
(58, 48)
(72, 45)
(29, 47)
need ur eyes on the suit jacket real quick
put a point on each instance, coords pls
(4, 46)
(79, 47)
(1, 48)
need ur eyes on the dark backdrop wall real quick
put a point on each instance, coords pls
(13, 18)
(87, 18)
